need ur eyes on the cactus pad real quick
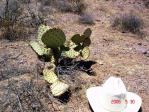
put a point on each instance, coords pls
(87, 33)
(85, 52)
(86, 42)
(78, 47)
(78, 39)
(53, 38)
(70, 54)
(50, 76)
(39, 49)
(41, 30)
(58, 88)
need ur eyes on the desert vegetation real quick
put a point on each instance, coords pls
(128, 23)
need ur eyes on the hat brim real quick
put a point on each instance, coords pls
(93, 95)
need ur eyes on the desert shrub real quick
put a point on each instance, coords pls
(15, 23)
(64, 6)
(24, 96)
(128, 23)
(146, 3)
(25, 1)
(10, 24)
(86, 19)
(76, 6)
(47, 2)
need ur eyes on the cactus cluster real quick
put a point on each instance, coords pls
(52, 43)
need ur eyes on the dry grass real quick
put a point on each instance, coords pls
(128, 23)
(86, 19)
(75, 6)
(146, 2)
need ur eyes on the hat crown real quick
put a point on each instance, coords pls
(114, 86)
(113, 90)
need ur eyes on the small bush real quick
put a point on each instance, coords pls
(86, 19)
(128, 23)
(64, 6)
(146, 2)
(10, 24)
(47, 2)
(25, 1)
(76, 6)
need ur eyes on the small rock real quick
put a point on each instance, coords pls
(143, 50)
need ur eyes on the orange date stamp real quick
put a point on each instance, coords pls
(126, 101)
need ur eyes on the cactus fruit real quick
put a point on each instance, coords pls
(85, 52)
(50, 76)
(53, 38)
(58, 88)
(87, 33)
(41, 30)
(70, 54)
(40, 50)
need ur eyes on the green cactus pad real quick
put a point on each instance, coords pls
(86, 42)
(50, 76)
(85, 52)
(39, 49)
(53, 38)
(78, 39)
(63, 48)
(41, 30)
(52, 59)
(78, 47)
(58, 88)
(87, 33)
(70, 54)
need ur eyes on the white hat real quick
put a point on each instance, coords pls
(113, 97)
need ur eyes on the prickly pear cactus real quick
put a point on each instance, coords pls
(53, 43)
(53, 38)
(50, 76)
(78, 48)
(40, 50)
(87, 33)
(71, 53)
(58, 88)
(85, 52)
(86, 42)
(77, 39)
(41, 30)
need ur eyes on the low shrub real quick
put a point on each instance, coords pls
(10, 24)
(128, 23)
(86, 19)
(75, 6)
(146, 3)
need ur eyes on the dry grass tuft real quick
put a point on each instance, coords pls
(86, 19)
(128, 23)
